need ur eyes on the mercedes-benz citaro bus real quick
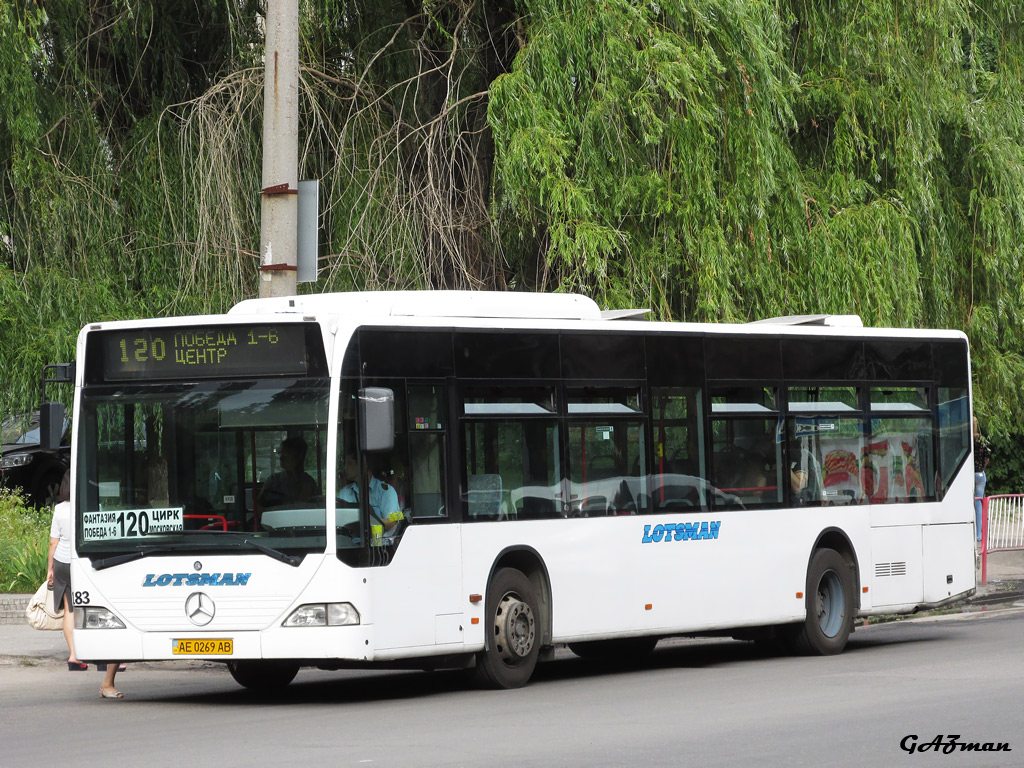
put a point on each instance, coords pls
(470, 479)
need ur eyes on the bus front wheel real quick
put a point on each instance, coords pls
(830, 606)
(513, 642)
(263, 675)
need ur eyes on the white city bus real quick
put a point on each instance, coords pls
(445, 479)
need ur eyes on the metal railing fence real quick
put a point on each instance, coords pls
(1002, 526)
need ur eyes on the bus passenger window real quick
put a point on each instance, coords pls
(954, 431)
(511, 452)
(424, 486)
(425, 495)
(825, 444)
(898, 462)
(607, 455)
(746, 446)
(677, 477)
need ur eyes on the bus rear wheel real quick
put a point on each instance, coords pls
(513, 642)
(830, 604)
(263, 675)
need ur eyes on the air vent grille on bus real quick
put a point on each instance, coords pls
(890, 569)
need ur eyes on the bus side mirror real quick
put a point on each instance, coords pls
(52, 416)
(51, 425)
(376, 419)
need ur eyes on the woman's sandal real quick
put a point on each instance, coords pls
(77, 666)
(111, 694)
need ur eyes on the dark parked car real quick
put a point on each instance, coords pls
(24, 465)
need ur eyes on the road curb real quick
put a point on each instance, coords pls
(994, 598)
(12, 608)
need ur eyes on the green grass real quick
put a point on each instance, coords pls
(24, 542)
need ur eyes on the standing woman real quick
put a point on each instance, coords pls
(982, 454)
(58, 573)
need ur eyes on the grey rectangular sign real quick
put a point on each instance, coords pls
(308, 225)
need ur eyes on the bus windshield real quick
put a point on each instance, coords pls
(182, 466)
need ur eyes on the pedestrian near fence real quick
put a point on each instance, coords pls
(982, 454)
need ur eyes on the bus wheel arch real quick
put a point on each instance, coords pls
(516, 620)
(528, 561)
(830, 601)
(837, 540)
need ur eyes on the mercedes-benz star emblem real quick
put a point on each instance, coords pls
(200, 609)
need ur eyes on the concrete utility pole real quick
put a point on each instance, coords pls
(279, 205)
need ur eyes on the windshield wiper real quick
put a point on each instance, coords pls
(128, 557)
(107, 562)
(138, 554)
(293, 560)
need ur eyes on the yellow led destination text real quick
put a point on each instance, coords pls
(192, 347)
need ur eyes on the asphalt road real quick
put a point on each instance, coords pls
(692, 702)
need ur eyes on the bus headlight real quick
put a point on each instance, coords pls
(93, 617)
(341, 614)
(323, 615)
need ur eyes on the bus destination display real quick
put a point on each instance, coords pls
(211, 352)
(131, 523)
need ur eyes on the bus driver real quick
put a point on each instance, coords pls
(384, 506)
(292, 483)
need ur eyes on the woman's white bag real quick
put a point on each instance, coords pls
(40, 611)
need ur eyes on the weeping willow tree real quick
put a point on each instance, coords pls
(393, 124)
(734, 159)
(87, 232)
(713, 160)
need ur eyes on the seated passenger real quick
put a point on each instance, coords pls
(805, 479)
(292, 483)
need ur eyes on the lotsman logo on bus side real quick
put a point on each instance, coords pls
(196, 579)
(682, 531)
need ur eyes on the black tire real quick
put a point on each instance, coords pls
(626, 649)
(831, 604)
(263, 675)
(513, 632)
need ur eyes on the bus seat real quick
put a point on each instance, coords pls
(623, 503)
(538, 508)
(483, 495)
(594, 506)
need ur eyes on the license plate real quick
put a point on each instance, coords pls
(196, 647)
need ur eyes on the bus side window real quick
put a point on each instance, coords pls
(423, 483)
(511, 433)
(677, 474)
(898, 461)
(825, 434)
(424, 497)
(607, 472)
(747, 452)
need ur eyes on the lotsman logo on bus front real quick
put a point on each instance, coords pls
(196, 579)
(682, 531)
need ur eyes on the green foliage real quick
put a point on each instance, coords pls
(1005, 472)
(24, 543)
(717, 160)
(728, 160)
(87, 229)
